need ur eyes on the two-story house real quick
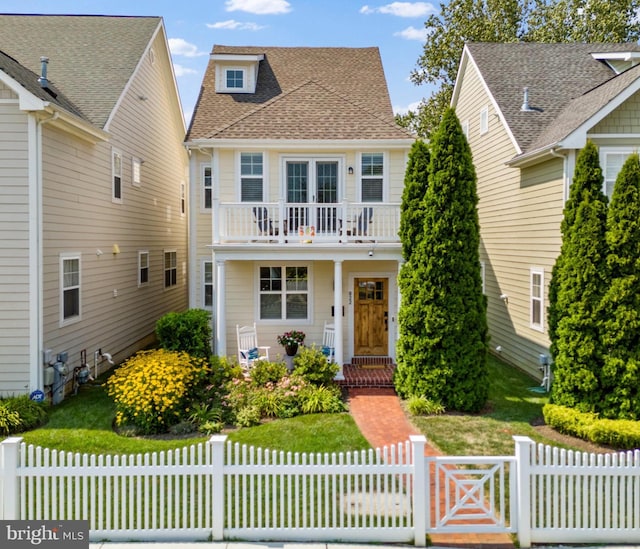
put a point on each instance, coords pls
(93, 195)
(297, 170)
(527, 110)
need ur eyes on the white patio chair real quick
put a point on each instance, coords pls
(248, 349)
(329, 342)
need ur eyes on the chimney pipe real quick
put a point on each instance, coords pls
(44, 83)
(525, 105)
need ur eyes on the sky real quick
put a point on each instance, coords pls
(396, 28)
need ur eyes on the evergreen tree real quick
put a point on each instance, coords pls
(412, 206)
(621, 372)
(442, 350)
(578, 284)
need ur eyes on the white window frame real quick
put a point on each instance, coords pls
(465, 128)
(70, 256)
(484, 120)
(536, 300)
(235, 89)
(605, 152)
(143, 263)
(289, 323)
(172, 267)
(362, 177)
(183, 199)
(483, 271)
(312, 175)
(206, 262)
(136, 172)
(252, 176)
(116, 176)
(207, 186)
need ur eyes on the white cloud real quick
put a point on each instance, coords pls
(180, 70)
(232, 24)
(259, 7)
(411, 33)
(179, 46)
(405, 109)
(402, 9)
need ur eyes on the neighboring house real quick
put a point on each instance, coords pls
(527, 110)
(297, 170)
(93, 204)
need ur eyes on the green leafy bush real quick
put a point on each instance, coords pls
(9, 419)
(31, 414)
(151, 388)
(621, 434)
(264, 372)
(324, 399)
(313, 367)
(189, 331)
(422, 406)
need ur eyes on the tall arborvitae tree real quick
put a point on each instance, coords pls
(620, 376)
(446, 358)
(577, 287)
(412, 206)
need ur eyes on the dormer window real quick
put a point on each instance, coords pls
(235, 79)
(236, 73)
(618, 61)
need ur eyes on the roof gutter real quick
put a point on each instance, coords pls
(302, 144)
(536, 156)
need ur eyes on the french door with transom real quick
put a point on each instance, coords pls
(311, 194)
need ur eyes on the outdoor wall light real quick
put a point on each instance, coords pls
(350, 170)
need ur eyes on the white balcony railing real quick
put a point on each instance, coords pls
(288, 223)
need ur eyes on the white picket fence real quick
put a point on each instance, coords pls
(217, 490)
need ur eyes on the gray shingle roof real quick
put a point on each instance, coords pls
(91, 58)
(301, 93)
(566, 85)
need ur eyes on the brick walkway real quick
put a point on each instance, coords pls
(378, 414)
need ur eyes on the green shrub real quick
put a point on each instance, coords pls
(621, 434)
(313, 367)
(31, 414)
(248, 416)
(264, 372)
(189, 332)
(422, 406)
(9, 419)
(151, 388)
(321, 399)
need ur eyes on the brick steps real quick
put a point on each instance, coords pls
(369, 372)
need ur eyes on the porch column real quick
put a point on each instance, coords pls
(221, 310)
(337, 308)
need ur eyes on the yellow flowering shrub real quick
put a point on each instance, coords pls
(151, 388)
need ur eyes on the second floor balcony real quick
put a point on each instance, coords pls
(295, 223)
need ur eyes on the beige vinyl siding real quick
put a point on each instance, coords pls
(14, 247)
(520, 214)
(623, 120)
(117, 316)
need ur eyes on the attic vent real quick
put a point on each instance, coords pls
(44, 83)
(525, 104)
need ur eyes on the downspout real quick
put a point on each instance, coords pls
(37, 249)
(565, 174)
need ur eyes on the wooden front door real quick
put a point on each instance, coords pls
(371, 316)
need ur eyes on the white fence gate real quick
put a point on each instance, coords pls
(219, 491)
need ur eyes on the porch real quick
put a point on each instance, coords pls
(294, 223)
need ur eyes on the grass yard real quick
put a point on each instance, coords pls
(512, 409)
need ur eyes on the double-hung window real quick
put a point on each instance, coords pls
(207, 284)
(284, 292)
(372, 177)
(251, 177)
(170, 268)
(612, 161)
(116, 176)
(207, 187)
(70, 288)
(537, 298)
(143, 268)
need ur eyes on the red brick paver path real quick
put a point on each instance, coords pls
(381, 420)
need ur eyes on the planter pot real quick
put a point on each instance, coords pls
(291, 350)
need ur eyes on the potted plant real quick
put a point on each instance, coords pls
(290, 341)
